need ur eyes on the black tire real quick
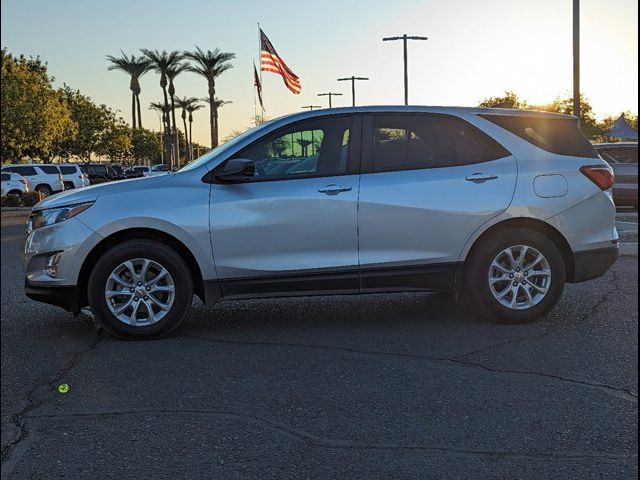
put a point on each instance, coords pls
(152, 250)
(15, 193)
(478, 267)
(44, 190)
(69, 186)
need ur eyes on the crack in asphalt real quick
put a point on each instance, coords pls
(311, 439)
(610, 390)
(35, 398)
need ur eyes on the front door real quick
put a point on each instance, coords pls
(292, 227)
(428, 182)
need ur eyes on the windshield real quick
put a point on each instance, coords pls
(224, 147)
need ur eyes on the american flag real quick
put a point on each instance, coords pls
(270, 61)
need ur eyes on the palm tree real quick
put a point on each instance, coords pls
(172, 73)
(160, 107)
(185, 103)
(163, 63)
(135, 67)
(192, 108)
(211, 64)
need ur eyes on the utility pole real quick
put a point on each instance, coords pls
(311, 107)
(576, 58)
(330, 94)
(404, 39)
(353, 79)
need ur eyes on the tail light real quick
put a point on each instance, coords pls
(61, 177)
(23, 181)
(601, 175)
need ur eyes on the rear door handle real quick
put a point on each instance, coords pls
(334, 189)
(480, 177)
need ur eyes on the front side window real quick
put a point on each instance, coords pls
(417, 141)
(307, 149)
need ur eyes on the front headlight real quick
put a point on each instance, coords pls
(50, 216)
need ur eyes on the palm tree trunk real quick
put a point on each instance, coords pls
(139, 114)
(167, 133)
(212, 121)
(133, 110)
(190, 137)
(186, 139)
(176, 144)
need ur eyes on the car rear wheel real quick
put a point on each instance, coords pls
(140, 289)
(69, 186)
(516, 276)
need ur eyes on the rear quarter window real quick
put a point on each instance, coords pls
(24, 171)
(561, 136)
(6, 177)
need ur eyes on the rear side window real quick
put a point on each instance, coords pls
(67, 170)
(6, 177)
(411, 142)
(24, 171)
(556, 135)
(620, 154)
(49, 169)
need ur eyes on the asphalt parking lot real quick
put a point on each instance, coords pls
(376, 386)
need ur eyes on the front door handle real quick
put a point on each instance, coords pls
(480, 177)
(334, 189)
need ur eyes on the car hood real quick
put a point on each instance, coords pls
(91, 193)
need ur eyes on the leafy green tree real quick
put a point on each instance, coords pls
(146, 147)
(92, 121)
(135, 67)
(508, 100)
(210, 65)
(116, 141)
(33, 115)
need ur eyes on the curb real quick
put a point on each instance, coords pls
(629, 249)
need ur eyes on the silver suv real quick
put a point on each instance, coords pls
(503, 206)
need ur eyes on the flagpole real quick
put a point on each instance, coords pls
(255, 108)
(260, 63)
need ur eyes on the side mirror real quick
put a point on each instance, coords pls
(235, 170)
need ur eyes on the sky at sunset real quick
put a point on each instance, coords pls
(475, 49)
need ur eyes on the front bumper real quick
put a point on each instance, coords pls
(68, 298)
(593, 263)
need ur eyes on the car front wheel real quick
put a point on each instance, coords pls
(140, 289)
(516, 276)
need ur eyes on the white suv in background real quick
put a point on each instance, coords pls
(13, 184)
(73, 176)
(43, 178)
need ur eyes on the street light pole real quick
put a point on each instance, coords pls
(404, 39)
(311, 107)
(330, 94)
(353, 79)
(576, 58)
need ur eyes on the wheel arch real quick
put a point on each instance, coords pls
(532, 224)
(134, 234)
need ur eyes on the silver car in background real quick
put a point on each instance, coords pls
(623, 158)
(504, 206)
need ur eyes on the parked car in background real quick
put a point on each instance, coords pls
(99, 172)
(384, 199)
(118, 171)
(43, 178)
(13, 184)
(73, 175)
(138, 171)
(159, 169)
(623, 158)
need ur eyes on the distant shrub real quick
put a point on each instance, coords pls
(30, 199)
(26, 200)
(10, 201)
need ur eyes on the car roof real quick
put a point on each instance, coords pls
(615, 144)
(427, 109)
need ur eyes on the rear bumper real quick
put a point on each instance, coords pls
(593, 263)
(68, 298)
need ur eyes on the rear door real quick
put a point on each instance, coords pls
(292, 228)
(428, 182)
